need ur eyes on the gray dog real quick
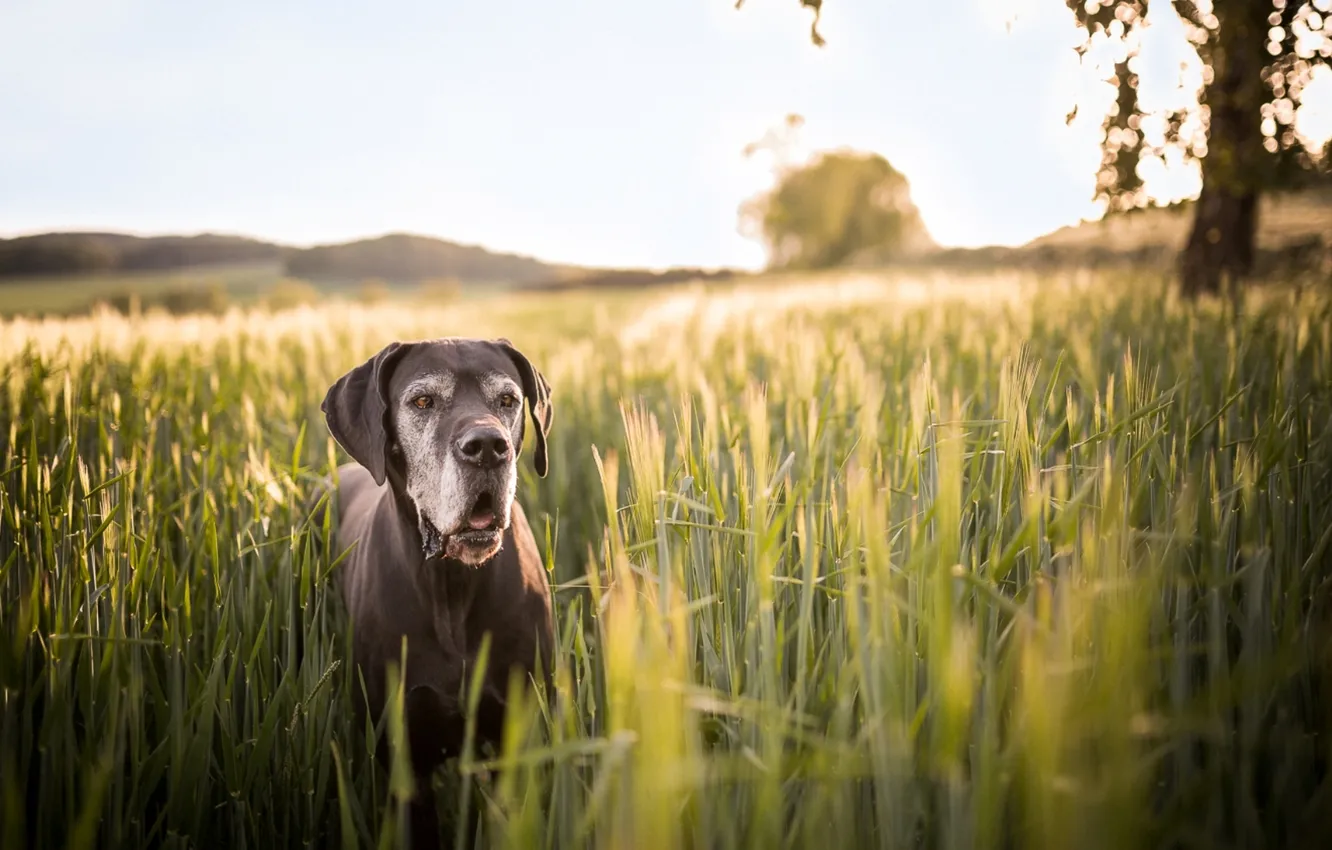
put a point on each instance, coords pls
(441, 553)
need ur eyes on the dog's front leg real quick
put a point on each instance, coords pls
(435, 727)
(435, 731)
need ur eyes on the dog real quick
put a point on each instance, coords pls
(441, 552)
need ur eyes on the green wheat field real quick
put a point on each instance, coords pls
(848, 562)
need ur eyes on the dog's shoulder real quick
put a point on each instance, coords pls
(525, 553)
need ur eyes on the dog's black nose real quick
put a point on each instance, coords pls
(485, 445)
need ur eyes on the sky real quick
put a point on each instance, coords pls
(600, 132)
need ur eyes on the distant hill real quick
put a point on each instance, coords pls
(403, 257)
(396, 257)
(1294, 238)
(1284, 219)
(91, 253)
(631, 278)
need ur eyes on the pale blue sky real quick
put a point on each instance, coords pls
(590, 131)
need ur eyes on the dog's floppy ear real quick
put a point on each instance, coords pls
(539, 405)
(356, 410)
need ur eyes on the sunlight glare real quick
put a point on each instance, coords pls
(1314, 120)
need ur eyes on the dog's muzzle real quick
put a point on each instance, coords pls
(481, 530)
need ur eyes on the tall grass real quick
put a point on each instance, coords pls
(847, 564)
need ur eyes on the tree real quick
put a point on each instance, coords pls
(1257, 55)
(840, 205)
(817, 6)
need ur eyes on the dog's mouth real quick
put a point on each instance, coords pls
(482, 516)
(480, 530)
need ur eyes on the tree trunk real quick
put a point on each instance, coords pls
(1225, 223)
(1221, 244)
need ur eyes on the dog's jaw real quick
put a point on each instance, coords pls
(474, 551)
(432, 541)
(470, 547)
(464, 544)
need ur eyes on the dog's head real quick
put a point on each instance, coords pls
(442, 421)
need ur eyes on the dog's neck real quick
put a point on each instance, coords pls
(444, 587)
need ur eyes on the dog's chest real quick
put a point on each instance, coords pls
(454, 592)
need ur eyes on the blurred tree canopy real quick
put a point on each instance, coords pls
(816, 5)
(1257, 56)
(840, 205)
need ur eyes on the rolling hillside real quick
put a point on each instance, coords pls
(69, 272)
(1283, 221)
(404, 257)
(1294, 239)
(93, 253)
(396, 257)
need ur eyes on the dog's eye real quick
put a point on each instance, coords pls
(508, 400)
(423, 401)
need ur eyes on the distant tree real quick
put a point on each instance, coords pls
(180, 300)
(439, 290)
(840, 205)
(196, 298)
(289, 293)
(373, 290)
(817, 6)
(1258, 56)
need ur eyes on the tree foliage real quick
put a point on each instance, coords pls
(817, 6)
(1257, 57)
(839, 205)
(1267, 48)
